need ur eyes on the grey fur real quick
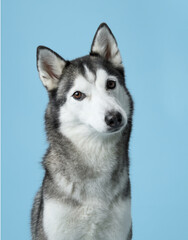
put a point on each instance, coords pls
(62, 157)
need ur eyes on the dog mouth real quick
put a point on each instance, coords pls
(108, 130)
(115, 129)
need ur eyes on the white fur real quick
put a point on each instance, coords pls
(89, 75)
(63, 184)
(91, 221)
(98, 215)
(83, 123)
(85, 120)
(102, 162)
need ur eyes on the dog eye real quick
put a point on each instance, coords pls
(78, 95)
(110, 84)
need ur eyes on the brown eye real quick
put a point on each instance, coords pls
(78, 95)
(110, 84)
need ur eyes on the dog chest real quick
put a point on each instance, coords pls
(93, 221)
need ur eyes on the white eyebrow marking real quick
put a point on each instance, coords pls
(89, 75)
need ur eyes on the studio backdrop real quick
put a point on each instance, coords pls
(153, 40)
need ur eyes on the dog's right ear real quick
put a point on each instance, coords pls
(50, 66)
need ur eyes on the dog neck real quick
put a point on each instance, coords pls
(91, 142)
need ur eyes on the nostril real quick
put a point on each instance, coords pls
(109, 119)
(111, 122)
(119, 117)
(113, 119)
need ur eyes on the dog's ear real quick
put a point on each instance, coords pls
(105, 45)
(50, 66)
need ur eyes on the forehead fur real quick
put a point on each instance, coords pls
(87, 67)
(89, 75)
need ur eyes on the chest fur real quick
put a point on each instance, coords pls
(91, 221)
(103, 187)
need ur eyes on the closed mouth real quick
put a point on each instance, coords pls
(115, 129)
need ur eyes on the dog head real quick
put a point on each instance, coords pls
(87, 95)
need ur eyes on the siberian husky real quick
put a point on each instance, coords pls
(85, 194)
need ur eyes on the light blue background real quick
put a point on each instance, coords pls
(153, 40)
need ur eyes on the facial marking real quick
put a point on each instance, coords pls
(89, 75)
(101, 78)
(82, 85)
(89, 114)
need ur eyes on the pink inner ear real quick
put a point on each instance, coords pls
(107, 52)
(49, 69)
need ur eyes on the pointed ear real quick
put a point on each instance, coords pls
(105, 45)
(50, 66)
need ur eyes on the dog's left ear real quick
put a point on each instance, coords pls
(105, 45)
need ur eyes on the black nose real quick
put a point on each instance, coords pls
(113, 119)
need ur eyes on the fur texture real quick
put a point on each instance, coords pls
(85, 194)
